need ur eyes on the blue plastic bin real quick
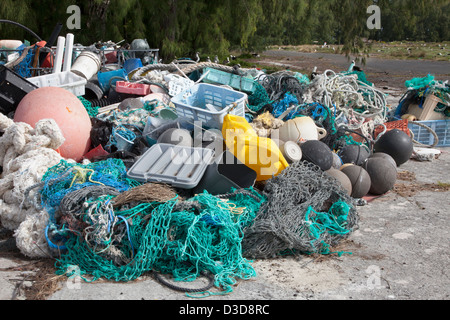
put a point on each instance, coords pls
(209, 104)
(108, 78)
(132, 64)
(424, 136)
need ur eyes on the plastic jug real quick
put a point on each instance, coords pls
(300, 130)
(260, 154)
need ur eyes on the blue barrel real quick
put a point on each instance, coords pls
(106, 79)
(132, 64)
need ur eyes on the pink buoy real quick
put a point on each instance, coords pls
(68, 112)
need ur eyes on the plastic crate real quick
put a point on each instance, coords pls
(424, 136)
(66, 80)
(399, 124)
(181, 167)
(140, 89)
(13, 88)
(177, 84)
(209, 104)
(214, 76)
(426, 112)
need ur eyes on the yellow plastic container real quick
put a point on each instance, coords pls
(258, 153)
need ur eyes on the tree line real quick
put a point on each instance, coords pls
(182, 27)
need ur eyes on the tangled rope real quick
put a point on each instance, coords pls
(148, 192)
(436, 138)
(355, 103)
(73, 202)
(65, 177)
(204, 239)
(175, 68)
(172, 286)
(280, 83)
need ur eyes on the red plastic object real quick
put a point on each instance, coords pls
(400, 125)
(141, 89)
(111, 57)
(96, 152)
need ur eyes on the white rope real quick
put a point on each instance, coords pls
(344, 94)
(25, 155)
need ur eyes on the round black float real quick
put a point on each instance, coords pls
(397, 144)
(342, 179)
(359, 178)
(317, 152)
(354, 153)
(383, 174)
(384, 156)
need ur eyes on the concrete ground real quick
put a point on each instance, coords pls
(400, 252)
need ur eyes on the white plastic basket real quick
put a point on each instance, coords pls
(66, 80)
(177, 84)
(209, 104)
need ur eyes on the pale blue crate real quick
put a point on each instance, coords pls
(214, 76)
(424, 136)
(193, 104)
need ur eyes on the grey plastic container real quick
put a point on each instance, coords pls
(224, 174)
(179, 166)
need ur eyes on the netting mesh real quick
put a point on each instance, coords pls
(280, 83)
(258, 99)
(361, 76)
(67, 177)
(419, 83)
(91, 110)
(181, 238)
(307, 211)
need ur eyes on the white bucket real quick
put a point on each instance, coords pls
(87, 65)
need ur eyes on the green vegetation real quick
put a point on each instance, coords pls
(179, 28)
(418, 50)
(443, 184)
(412, 50)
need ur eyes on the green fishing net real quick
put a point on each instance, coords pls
(181, 238)
(418, 83)
(259, 98)
(421, 88)
(91, 110)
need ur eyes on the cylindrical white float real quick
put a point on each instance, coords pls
(68, 54)
(59, 55)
